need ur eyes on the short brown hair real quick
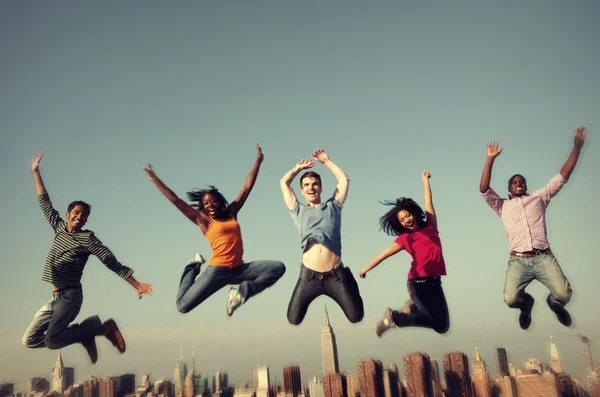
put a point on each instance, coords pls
(310, 174)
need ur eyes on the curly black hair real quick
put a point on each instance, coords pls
(389, 222)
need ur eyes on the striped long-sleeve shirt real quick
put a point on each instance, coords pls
(525, 217)
(70, 251)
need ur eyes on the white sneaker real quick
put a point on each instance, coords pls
(385, 323)
(234, 301)
(197, 259)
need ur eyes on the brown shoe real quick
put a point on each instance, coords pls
(90, 347)
(112, 333)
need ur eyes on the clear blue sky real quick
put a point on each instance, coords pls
(387, 88)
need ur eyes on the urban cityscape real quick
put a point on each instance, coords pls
(422, 377)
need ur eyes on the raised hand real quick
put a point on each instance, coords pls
(320, 155)
(149, 171)
(425, 175)
(580, 134)
(304, 164)
(144, 289)
(492, 149)
(259, 154)
(35, 161)
(362, 273)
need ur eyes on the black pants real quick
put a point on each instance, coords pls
(426, 307)
(338, 284)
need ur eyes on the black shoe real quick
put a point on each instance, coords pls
(90, 347)
(525, 316)
(114, 335)
(562, 314)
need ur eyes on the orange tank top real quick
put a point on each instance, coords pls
(225, 239)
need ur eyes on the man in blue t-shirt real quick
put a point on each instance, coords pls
(322, 271)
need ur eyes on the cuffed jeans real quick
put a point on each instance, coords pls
(545, 269)
(50, 326)
(253, 278)
(426, 307)
(338, 284)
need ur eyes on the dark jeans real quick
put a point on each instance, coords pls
(50, 326)
(338, 284)
(253, 278)
(426, 307)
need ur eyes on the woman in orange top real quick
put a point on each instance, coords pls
(218, 221)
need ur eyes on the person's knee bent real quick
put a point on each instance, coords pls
(279, 269)
(356, 316)
(51, 343)
(511, 301)
(181, 308)
(28, 341)
(294, 318)
(563, 296)
(441, 327)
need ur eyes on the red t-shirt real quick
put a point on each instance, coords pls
(425, 248)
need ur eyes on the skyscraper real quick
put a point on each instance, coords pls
(189, 382)
(503, 362)
(333, 385)
(593, 374)
(292, 381)
(417, 371)
(456, 370)
(481, 380)
(180, 373)
(315, 387)
(352, 385)
(556, 367)
(328, 348)
(436, 380)
(58, 378)
(370, 378)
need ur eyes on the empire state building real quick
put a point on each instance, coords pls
(328, 348)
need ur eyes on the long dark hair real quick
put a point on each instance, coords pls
(389, 222)
(196, 196)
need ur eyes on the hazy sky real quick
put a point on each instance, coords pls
(386, 88)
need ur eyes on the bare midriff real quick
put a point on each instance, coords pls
(320, 259)
(57, 288)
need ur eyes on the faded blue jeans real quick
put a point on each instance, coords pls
(50, 326)
(543, 268)
(253, 278)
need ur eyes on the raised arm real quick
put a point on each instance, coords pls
(286, 182)
(341, 190)
(427, 199)
(140, 288)
(578, 141)
(184, 207)
(492, 152)
(37, 177)
(238, 203)
(383, 255)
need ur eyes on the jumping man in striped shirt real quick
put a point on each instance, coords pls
(64, 267)
(524, 218)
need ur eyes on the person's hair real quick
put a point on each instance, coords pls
(86, 206)
(310, 174)
(512, 178)
(389, 222)
(196, 196)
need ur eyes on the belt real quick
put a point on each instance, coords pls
(530, 254)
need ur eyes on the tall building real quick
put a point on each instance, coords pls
(390, 383)
(504, 387)
(456, 371)
(107, 388)
(328, 348)
(69, 375)
(126, 385)
(333, 385)
(481, 379)
(91, 387)
(190, 381)
(417, 371)
(7, 389)
(292, 381)
(503, 362)
(352, 385)
(370, 378)
(436, 380)
(163, 388)
(146, 382)
(315, 387)
(538, 385)
(37, 385)
(593, 372)
(58, 379)
(180, 373)
(556, 367)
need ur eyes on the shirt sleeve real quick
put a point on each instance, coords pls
(50, 213)
(108, 258)
(401, 240)
(336, 205)
(552, 188)
(295, 214)
(493, 200)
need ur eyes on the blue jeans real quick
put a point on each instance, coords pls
(545, 269)
(338, 284)
(50, 326)
(253, 278)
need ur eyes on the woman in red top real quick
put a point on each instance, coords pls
(417, 233)
(217, 219)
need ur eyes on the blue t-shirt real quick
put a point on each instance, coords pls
(322, 224)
